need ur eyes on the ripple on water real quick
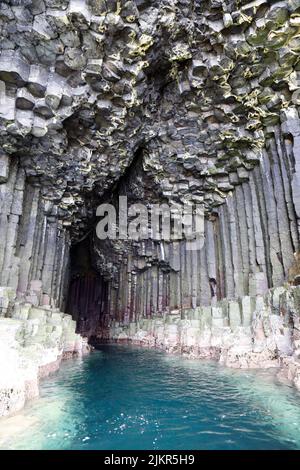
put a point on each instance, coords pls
(129, 398)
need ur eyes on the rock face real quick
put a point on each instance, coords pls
(250, 332)
(33, 341)
(176, 102)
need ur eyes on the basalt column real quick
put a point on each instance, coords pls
(35, 245)
(87, 295)
(251, 244)
(165, 102)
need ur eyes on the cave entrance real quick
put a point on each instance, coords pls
(88, 291)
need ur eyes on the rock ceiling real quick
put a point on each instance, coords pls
(193, 87)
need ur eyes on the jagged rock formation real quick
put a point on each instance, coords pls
(251, 332)
(33, 341)
(34, 248)
(250, 241)
(173, 101)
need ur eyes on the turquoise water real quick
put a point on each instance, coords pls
(123, 397)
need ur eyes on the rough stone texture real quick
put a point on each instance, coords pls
(32, 343)
(169, 101)
(250, 245)
(252, 332)
(201, 87)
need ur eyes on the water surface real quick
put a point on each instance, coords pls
(123, 397)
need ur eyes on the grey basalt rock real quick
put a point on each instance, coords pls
(268, 340)
(175, 102)
(33, 341)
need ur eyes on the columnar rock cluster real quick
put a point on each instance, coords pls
(33, 341)
(34, 246)
(250, 332)
(172, 101)
(199, 86)
(250, 243)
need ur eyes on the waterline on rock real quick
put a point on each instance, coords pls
(131, 398)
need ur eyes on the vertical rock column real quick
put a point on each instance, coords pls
(251, 241)
(35, 245)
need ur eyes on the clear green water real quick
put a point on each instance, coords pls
(129, 398)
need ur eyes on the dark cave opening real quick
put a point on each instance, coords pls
(88, 290)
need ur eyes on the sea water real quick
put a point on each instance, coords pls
(123, 397)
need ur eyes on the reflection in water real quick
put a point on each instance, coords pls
(129, 398)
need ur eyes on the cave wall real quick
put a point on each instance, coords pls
(250, 246)
(34, 251)
(251, 242)
(205, 93)
(87, 292)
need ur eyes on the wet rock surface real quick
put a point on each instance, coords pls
(250, 332)
(33, 341)
(169, 101)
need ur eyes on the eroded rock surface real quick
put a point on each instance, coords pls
(172, 101)
(250, 332)
(204, 95)
(33, 341)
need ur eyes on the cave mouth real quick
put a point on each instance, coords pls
(174, 104)
(88, 290)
